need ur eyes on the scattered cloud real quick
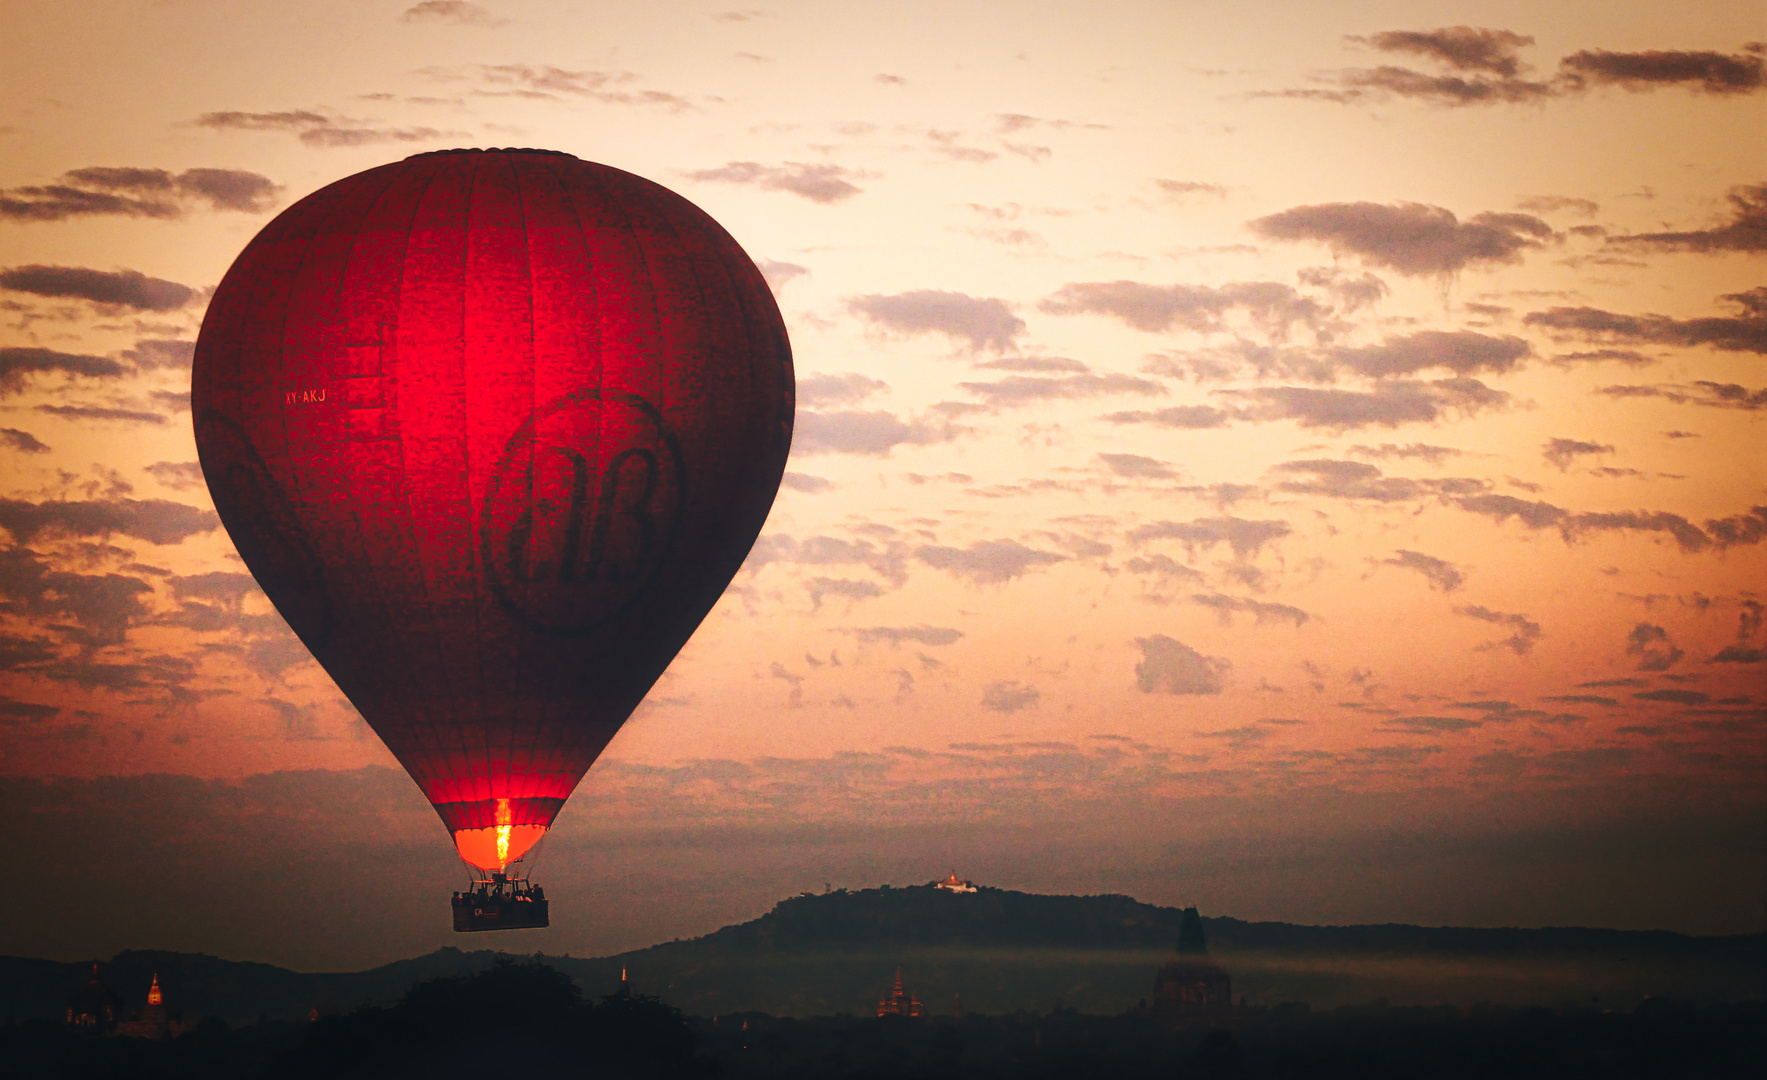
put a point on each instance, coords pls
(22, 442)
(821, 391)
(1524, 632)
(1440, 573)
(1463, 48)
(1271, 306)
(1653, 647)
(1710, 394)
(804, 482)
(896, 635)
(1009, 697)
(1186, 417)
(1736, 530)
(1388, 404)
(454, 11)
(980, 322)
(1678, 697)
(121, 191)
(1746, 332)
(156, 521)
(106, 288)
(853, 431)
(1225, 606)
(1016, 390)
(18, 364)
(1745, 231)
(1137, 467)
(823, 183)
(1461, 351)
(987, 562)
(1169, 666)
(1435, 455)
(1700, 71)
(1562, 453)
(1410, 238)
(778, 274)
(1244, 537)
(1358, 480)
(321, 129)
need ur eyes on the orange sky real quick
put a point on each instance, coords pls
(1252, 400)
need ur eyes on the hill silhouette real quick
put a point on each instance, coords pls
(1001, 950)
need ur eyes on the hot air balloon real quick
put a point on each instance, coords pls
(493, 429)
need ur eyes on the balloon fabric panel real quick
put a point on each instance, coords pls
(494, 430)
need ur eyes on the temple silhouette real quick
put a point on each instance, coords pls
(1190, 984)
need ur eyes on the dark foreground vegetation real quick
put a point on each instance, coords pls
(531, 1022)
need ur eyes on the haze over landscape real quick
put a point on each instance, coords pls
(1302, 461)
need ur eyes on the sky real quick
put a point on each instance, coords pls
(1302, 460)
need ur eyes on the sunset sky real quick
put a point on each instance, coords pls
(1303, 460)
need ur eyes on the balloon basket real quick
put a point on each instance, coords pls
(500, 904)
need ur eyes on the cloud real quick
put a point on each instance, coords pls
(854, 431)
(104, 605)
(1017, 390)
(987, 562)
(156, 521)
(1429, 725)
(1388, 404)
(1710, 394)
(1411, 238)
(319, 129)
(1734, 531)
(1358, 480)
(1009, 697)
(896, 635)
(1679, 697)
(810, 485)
(1272, 306)
(1441, 574)
(1745, 231)
(1186, 417)
(1459, 351)
(1138, 467)
(1561, 453)
(779, 273)
(1245, 538)
(845, 588)
(981, 322)
(888, 562)
(156, 354)
(100, 412)
(1225, 606)
(1163, 566)
(1169, 666)
(22, 441)
(1181, 188)
(1746, 332)
(1524, 632)
(122, 288)
(135, 192)
(17, 651)
(1483, 68)
(820, 391)
(456, 11)
(1655, 650)
(1464, 48)
(1710, 72)
(823, 183)
(18, 362)
(1435, 455)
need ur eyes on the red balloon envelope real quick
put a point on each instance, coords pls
(493, 430)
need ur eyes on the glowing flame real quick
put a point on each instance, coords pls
(153, 992)
(501, 843)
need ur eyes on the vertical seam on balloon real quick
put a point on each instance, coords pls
(521, 710)
(410, 528)
(429, 601)
(552, 167)
(476, 700)
(349, 506)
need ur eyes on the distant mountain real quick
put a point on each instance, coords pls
(995, 950)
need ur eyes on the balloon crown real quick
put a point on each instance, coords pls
(494, 150)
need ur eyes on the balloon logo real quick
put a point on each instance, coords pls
(493, 430)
